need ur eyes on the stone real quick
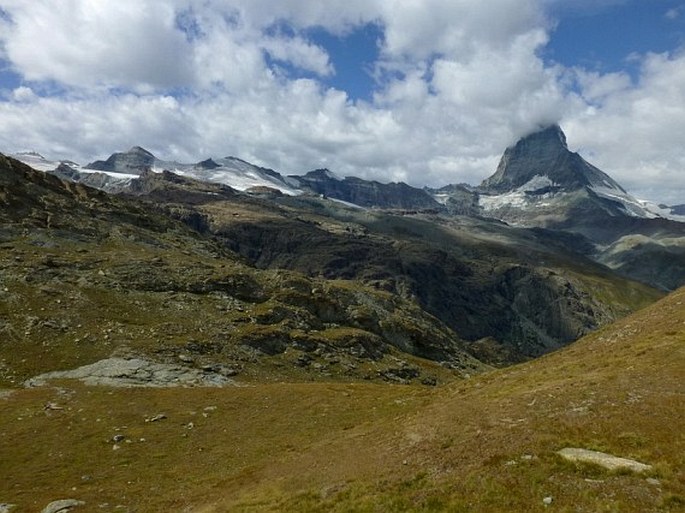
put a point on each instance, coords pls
(607, 461)
(5, 507)
(62, 506)
(547, 501)
(156, 418)
(135, 372)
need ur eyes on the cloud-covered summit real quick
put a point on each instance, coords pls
(454, 83)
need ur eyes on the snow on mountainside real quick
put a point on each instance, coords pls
(37, 161)
(540, 177)
(230, 171)
(537, 181)
(120, 168)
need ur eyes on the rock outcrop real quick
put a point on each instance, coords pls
(602, 459)
(136, 372)
(366, 193)
(129, 162)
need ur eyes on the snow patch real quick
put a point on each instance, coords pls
(633, 206)
(536, 183)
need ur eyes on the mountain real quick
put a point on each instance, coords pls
(87, 277)
(366, 193)
(131, 162)
(471, 274)
(542, 162)
(540, 183)
(115, 173)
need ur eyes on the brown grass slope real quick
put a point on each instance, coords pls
(489, 444)
(486, 444)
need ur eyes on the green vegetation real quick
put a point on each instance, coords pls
(335, 406)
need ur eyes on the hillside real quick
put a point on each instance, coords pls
(87, 277)
(486, 444)
(524, 291)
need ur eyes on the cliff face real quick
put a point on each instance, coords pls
(131, 162)
(545, 155)
(540, 183)
(367, 193)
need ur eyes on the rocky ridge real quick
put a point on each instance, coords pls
(86, 277)
(469, 273)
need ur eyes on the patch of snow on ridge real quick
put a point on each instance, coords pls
(441, 198)
(510, 199)
(520, 197)
(40, 163)
(633, 207)
(659, 211)
(122, 177)
(240, 179)
(234, 172)
(536, 183)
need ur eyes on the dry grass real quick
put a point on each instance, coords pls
(485, 444)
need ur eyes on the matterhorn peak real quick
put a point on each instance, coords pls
(139, 150)
(550, 135)
(543, 156)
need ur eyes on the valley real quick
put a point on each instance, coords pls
(219, 337)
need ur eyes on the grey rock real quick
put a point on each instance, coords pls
(135, 372)
(367, 193)
(132, 162)
(6, 507)
(156, 418)
(62, 506)
(607, 461)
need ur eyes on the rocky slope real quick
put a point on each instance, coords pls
(540, 183)
(86, 277)
(366, 193)
(512, 293)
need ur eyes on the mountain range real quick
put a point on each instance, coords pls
(539, 183)
(220, 337)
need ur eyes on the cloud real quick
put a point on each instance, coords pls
(634, 130)
(457, 81)
(86, 44)
(675, 12)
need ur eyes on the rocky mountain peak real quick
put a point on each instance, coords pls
(542, 160)
(322, 174)
(134, 161)
(139, 150)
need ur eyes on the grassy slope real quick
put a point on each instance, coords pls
(484, 444)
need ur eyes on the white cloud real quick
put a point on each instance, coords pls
(458, 81)
(23, 94)
(675, 12)
(635, 133)
(90, 43)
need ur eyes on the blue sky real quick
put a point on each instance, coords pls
(429, 91)
(604, 38)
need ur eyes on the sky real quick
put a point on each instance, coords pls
(429, 92)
